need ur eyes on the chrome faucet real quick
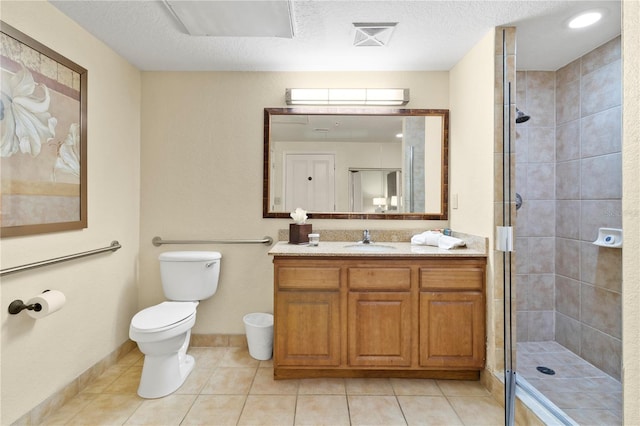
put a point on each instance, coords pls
(366, 237)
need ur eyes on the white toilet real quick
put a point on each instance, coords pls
(163, 331)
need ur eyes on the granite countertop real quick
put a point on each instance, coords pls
(377, 249)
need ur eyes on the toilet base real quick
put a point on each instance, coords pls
(163, 375)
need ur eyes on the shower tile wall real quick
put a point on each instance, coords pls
(569, 175)
(535, 182)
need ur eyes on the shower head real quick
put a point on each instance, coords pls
(521, 117)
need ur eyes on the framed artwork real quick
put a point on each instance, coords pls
(43, 131)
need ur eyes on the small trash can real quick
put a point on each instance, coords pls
(259, 329)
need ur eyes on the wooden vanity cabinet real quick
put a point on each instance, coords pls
(379, 317)
(307, 321)
(452, 315)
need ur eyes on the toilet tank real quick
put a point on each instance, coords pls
(189, 275)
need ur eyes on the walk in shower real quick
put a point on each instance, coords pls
(569, 291)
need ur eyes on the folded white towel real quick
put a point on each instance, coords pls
(428, 238)
(446, 242)
(437, 239)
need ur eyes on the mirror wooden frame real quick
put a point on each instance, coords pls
(444, 202)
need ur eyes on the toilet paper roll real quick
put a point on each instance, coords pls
(50, 301)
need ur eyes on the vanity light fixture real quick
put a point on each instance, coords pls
(585, 19)
(385, 97)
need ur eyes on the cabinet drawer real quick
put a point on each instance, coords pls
(453, 279)
(307, 278)
(379, 278)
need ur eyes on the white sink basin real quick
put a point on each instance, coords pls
(369, 247)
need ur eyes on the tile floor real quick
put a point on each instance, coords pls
(586, 394)
(228, 387)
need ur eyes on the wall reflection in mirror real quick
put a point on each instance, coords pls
(356, 163)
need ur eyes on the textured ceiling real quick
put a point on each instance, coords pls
(430, 35)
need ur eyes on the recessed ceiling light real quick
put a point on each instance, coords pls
(585, 19)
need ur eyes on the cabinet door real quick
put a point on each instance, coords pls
(307, 328)
(379, 326)
(452, 330)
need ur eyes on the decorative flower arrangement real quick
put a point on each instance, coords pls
(299, 216)
(300, 230)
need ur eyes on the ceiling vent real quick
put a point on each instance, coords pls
(373, 34)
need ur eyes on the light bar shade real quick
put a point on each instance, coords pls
(388, 97)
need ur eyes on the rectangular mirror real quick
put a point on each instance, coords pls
(346, 163)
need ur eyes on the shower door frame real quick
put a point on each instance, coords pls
(504, 239)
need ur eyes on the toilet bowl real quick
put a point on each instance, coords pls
(163, 331)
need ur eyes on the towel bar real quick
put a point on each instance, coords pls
(157, 241)
(113, 247)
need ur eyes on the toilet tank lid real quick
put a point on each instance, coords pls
(189, 256)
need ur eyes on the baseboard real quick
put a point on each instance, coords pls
(50, 405)
(218, 340)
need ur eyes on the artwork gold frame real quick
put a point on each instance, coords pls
(43, 135)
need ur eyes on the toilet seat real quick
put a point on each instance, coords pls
(164, 316)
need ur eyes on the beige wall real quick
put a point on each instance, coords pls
(101, 290)
(41, 357)
(202, 149)
(631, 212)
(471, 156)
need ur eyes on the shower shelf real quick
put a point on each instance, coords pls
(609, 237)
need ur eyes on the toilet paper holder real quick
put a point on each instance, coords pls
(18, 306)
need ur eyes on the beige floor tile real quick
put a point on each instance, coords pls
(268, 410)
(565, 399)
(68, 410)
(415, 387)
(594, 417)
(375, 410)
(166, 411)
(264, 384)
(128, 382)
(462, 388)
(108, 410)
(329, 410)
(207, 358)
(606, 384)
(612, 400)
(105, 379)
(195, 381)
(266, 363)
(220, 410)
(478, 410)
(238, 357)
(428, 411)
(229, 381)
(369, 387)
(322, 386)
